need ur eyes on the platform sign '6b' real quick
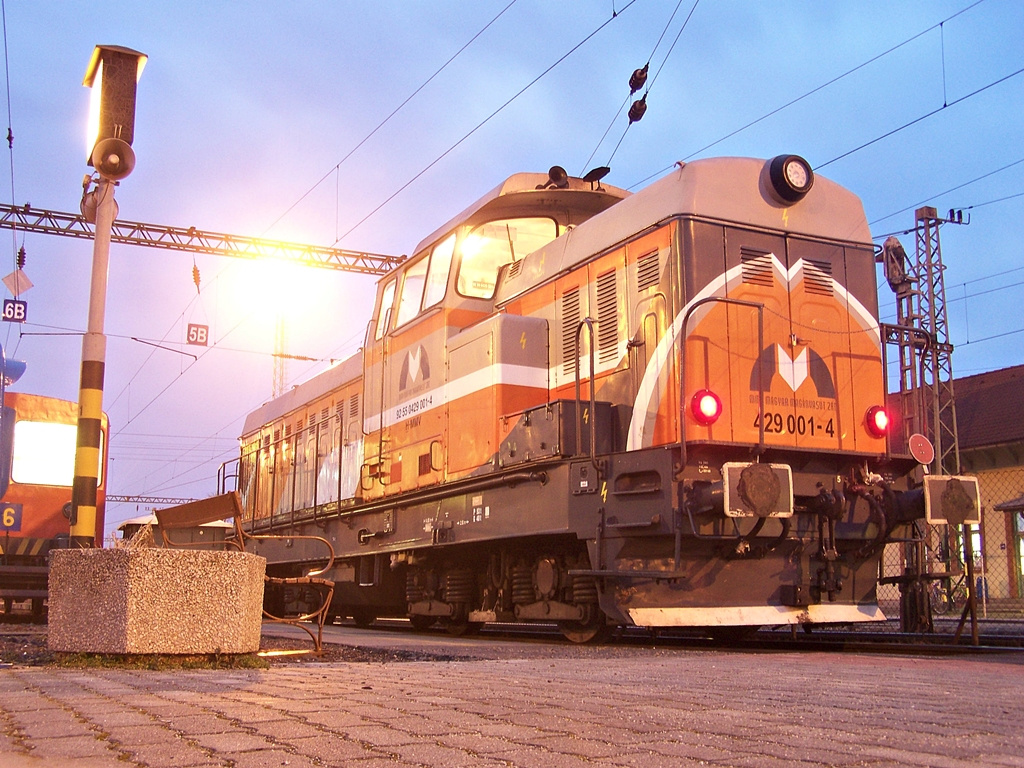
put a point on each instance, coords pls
(15, 311)
(10, 517)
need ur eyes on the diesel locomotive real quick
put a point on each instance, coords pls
(38, 436)
(586, 406)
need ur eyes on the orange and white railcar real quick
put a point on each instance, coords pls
(41, 435)
(582, 405)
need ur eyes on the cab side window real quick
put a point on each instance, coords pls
(437, 277)
(383, 317)
(412, 291)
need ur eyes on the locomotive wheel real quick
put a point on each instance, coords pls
(581, 633)
(363, 617)
(461, 628)
(421, 623)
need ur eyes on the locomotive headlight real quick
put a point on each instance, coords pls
(706, 407)
(790, 178)
(877, 421)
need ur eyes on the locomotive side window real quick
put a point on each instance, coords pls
(492, 245)
(387, 299)
(437, 277)
(44, 453)
(412, 292)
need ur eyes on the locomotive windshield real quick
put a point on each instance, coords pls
(44, 453)
(492, 245)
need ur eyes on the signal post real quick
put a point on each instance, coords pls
(112, 75)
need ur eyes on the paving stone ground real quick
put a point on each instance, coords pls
(699, 707)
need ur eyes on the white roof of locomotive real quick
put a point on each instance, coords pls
(527, 190)
(721, 189)
(308, 391)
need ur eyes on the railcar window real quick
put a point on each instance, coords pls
(44, 453)
(437, 277)
(412, 291)
(492, 245)
(385, 309)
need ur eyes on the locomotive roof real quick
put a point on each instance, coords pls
(308, 391)
(525, 194)
(721, 188)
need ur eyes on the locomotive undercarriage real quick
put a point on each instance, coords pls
(620, 539)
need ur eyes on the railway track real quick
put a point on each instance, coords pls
(861, 641)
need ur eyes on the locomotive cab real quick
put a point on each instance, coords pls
(427, 342)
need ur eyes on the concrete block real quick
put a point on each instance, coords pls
(172, 601)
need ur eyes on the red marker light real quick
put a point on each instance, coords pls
(877, 421)
(706, 407)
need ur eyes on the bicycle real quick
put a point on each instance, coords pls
(949, 593)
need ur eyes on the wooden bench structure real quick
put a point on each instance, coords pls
(229, 505)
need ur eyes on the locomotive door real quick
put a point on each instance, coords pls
(803, 328)
(821, 340)
(841, 336)
(373, 473)
(756, 272)
(649, 324)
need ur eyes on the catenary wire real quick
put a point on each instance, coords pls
(917, 120)
(481, 124)
(394, 112)
(650, 84)
(622, 106)
(953, 189)
(807, 94)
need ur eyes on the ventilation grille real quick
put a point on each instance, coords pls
(353, 406)
(570, 319)
(312, 420)
(757, 267)
(514, 269)
(607, 318)
(818, 277)
(325, 414)
(648, 271)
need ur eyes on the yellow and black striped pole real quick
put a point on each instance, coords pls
(112, 75)
(90, 393)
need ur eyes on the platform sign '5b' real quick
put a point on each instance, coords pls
(198, 334)
(15, 311)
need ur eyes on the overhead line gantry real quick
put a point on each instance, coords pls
(28, 219)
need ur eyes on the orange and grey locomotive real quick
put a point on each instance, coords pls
(38, 437)
(584, 406)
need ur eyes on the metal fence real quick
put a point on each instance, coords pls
(998, 559)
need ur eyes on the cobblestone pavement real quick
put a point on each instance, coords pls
(695, 707)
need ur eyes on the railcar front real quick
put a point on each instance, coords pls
(738, 472)
(35, 512)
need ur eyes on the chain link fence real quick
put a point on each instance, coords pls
(998, 559)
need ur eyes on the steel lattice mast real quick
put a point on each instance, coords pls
(921, 335)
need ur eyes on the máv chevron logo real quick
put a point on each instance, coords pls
(415, 368)
(775, 361)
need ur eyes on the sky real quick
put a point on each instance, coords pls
(248, 115)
